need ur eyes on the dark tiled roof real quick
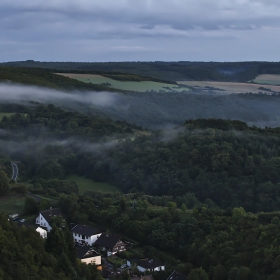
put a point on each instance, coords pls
(48, 214)
(149, 263)
(134, 260)
(176, 275)
(107, 241)
(85, 230)
(83, 250)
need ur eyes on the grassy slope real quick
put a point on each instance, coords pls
(85, 184)
(139, 86)
(268, 79)
(12, 204)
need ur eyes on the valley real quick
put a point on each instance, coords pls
(185, 170)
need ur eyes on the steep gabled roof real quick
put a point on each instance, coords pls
(176, 275)
(48, 214)
(85, 230)
(107, 241)
(149, 263)
(84, 251)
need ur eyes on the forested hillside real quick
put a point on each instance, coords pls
(222, 163)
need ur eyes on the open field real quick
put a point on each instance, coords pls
(5, 114)
(8, 115)
(269, 79)
(142, 86)
(12, 204)
(85, 184)
(230, 87)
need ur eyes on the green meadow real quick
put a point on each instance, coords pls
(268, 79)
(141, 86)
(12, 204)
(5, 114)
(85, 184)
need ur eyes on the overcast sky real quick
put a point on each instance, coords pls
(140, 30)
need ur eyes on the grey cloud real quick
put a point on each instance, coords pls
(17, 147)
(18, 93)
(32, 26)
(184, 14)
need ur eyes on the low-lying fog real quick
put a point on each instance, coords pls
(153, 110)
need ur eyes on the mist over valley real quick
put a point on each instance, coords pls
(153, 109)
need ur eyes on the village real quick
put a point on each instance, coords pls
(93, 245)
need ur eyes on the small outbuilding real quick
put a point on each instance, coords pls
(43, 233)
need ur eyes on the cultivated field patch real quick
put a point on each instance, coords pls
(230, 87)
(85, 184)
(268, 79)
(141, 86)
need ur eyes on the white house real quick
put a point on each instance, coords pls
(144, 265)
(45, 217)
(85, 234)
(87, 255)
(42, 232)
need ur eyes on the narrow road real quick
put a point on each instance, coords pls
(15, 171)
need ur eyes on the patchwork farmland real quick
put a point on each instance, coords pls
(231, 87)
(138, 86)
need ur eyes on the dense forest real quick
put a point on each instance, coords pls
(221, 163)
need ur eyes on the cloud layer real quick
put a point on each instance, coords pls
(109, 30)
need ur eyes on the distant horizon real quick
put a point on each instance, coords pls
(144, 61)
